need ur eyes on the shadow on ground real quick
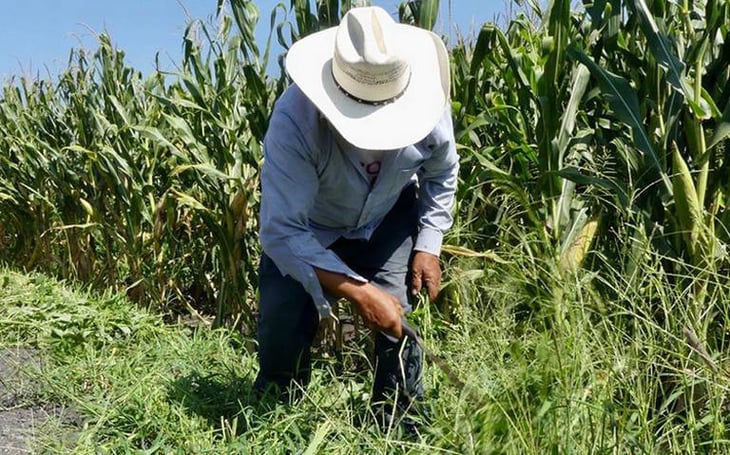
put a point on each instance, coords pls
(219, 399)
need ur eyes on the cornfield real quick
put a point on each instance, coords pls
(594, 151)
(577, 130)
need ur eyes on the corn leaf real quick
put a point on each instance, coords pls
(457, 250)
(428, 13)
(667, 57)
(722, 130)
(206, 169)
(625, 103)
(581, 77)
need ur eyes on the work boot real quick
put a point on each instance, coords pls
(397, 387)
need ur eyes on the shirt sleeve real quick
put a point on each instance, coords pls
(437, 186)
(289, 184)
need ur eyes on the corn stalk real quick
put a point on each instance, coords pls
(144, 185)
(668, 98)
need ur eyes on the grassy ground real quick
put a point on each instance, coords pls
(139, 384)
(551, 366)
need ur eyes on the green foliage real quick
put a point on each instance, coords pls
(145, 185)
(589, 363)
(588, 254)
(569, 123)
(313, 16)
(421, 13)
(577, 120)
(37, 311)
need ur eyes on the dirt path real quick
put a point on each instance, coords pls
(20, 416)
(17, 420)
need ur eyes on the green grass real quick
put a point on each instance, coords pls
(553, 365)
(141, 385)
(150, 187)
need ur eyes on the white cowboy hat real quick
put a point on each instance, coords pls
(381, 84)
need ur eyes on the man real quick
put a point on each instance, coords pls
(358, 184)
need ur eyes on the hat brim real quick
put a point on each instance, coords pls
(394, 125)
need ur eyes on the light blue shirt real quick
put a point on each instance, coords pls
(314, 191)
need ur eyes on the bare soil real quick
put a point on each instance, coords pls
(21, 415)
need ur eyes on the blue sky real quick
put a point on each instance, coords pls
(36, 36)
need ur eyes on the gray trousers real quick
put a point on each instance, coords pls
(288, 318)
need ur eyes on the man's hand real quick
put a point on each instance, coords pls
(379, 309)
(426, 272)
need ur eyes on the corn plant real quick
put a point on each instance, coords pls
(517, 103)
(311, 17)
(661, 71)
(422, 13)
(150, 186)
(579, 117)
(569, 124)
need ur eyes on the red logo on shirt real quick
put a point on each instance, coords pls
(372, 169)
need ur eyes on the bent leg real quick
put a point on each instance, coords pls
(287, 325)
(398, 363)
(385, 260)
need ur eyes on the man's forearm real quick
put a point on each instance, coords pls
(340, 285)
(380, 310)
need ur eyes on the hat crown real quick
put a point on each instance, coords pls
(368, 63)
(381, 84)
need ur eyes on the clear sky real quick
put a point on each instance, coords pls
(36, 36)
